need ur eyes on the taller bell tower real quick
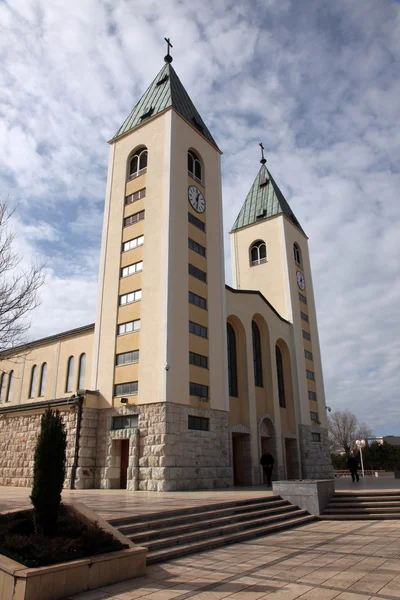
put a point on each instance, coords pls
(160, 329)
(270, 253)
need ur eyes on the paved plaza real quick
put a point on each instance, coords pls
(325, 560)
(353, 560)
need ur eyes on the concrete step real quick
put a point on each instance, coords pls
(345, 506)
(180, 512)
(213, 529)
(361, 509)
(368, 496)
(359, 517)
(141, 536)
(151, 524)
(184, 549)
(377, 505)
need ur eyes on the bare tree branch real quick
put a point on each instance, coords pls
(18, 290)
(344, 429)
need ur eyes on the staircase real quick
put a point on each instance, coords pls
(171, 534)
(363, 505)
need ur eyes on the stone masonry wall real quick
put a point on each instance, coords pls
(85, 472)
(164, 454)
(315, 456)
(18, 436)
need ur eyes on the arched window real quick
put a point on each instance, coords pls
(33, 382)
(232, 363)
(9, 387)
(2, 385)
(43, 375)
(258, 253)
(297, 254)
(194, 166)
(70, 374)
(82, 372)
(138, 163)
(279, 372)
(257, 356)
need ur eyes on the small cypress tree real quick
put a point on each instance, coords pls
(49, 472)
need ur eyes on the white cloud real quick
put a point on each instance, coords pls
(317, 82)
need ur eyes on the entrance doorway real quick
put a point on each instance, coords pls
(124, 464)
(241, 459)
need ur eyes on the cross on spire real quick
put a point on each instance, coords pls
(168, 57)
(263, 160)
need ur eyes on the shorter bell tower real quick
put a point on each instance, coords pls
(270, 253)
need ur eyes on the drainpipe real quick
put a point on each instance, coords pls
(79, 403)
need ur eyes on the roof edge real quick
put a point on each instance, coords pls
(50, 338)
(152, 118)
(281, 214)
(257, 293)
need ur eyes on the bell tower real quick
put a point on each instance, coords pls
(270, 253)
(160, 345)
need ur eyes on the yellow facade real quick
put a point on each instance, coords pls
(145, 250)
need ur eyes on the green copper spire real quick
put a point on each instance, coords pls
(264, 200)
(165, 91)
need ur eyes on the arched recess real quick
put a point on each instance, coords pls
(264, 395)
(288, 415)
(239, 406)
(267, 442)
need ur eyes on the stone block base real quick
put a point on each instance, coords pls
(315, 455)
(310, 495)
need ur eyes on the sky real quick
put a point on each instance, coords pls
(316, 81)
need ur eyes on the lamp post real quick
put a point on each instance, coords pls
(360, 445)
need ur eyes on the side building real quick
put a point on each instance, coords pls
(183, 381)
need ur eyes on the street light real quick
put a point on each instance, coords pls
(360, 445)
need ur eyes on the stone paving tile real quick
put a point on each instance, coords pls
(372, 582)
(351, 596)
(392, 588)
(320, 594)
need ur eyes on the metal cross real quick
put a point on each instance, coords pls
(168, 57)
(263, 160)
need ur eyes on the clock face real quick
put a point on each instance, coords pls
(196, 199)
(301, 282)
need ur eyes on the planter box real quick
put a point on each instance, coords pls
(18, 582)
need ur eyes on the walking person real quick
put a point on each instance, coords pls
(352, 465)
(267, 462)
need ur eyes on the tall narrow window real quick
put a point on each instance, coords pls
(281, 382)
(194, 166)
(232, 363)
(82, 372)
(257, 356)
(138, 163)
(70, 374)
(42, 383)
(2, 385)
(258, 253)
(9, 387)
(297, 254)
(33, 382)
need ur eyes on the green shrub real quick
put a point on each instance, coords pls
(49, 472)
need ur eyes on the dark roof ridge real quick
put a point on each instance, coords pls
(50, 338)
(165, 91)
(263, 201)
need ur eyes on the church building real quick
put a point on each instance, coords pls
(183, 382)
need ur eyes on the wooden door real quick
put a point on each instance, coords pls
(124, 464)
